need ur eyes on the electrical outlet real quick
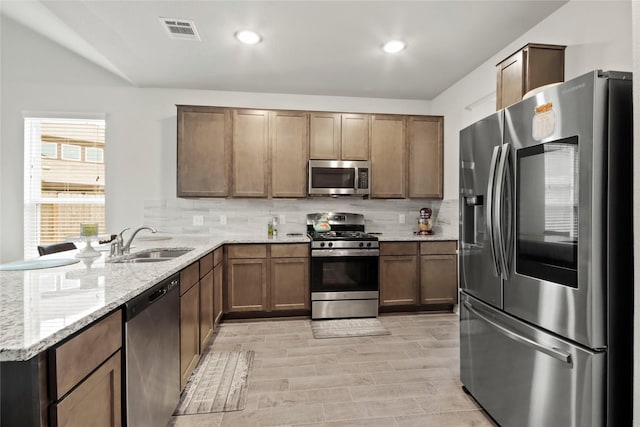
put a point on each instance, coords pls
(282, 219)
(223, 219)
(401, 218)
(198, 220)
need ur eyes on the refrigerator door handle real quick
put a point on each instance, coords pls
(553, 352)
(497, 213)
(490, 209)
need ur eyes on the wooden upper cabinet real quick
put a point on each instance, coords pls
(250, 153)
(532, 66)
(388, 157)
(355, 137)
(324, 136)
(289, 138)
(425, 139)
(204, 151)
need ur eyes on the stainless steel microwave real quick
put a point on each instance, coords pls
(337, 177)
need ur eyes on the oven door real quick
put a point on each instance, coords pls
(344, 271)
(559, 279)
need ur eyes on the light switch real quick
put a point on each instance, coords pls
(223, 219)
(401, 218)
(198, 220)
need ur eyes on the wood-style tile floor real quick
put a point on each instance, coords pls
(408, 378)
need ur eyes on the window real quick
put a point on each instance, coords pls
(49, 149)
(94, 155)
(61, 192)
(71, 152)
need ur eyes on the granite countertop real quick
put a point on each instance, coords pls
(40, 308)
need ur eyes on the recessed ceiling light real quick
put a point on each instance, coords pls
(248, 37)
(394, 46)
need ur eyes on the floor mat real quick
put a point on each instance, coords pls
(343, 328)
(219, 384)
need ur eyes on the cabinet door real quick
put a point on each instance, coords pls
(218, 278)
(388, 157)
(206, 309)
(438, 279)
(189, 333)
(247, 285)
(290, 284)
(324, 138)
(96, 401)
(355, 137)
(425, 139)
(204, 151)
(510, 81)
(398, 280)
(289, 153)
(250, 153)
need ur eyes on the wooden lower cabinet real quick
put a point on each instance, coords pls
(218, 282)
(247, 285)
(438, 279)
(96, 401)
(189, 332)
(289, 284)
(398, 280)
(398, 273)
(206, 308)
(418, 277)
(265, 278)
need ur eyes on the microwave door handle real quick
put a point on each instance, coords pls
(497, 213)
(489, 211)
(355, 180)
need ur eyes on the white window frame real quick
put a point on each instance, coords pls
(33, 198)
(87, 150)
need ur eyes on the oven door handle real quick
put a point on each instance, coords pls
(324, 253)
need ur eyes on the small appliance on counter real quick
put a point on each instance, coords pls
(425, 223)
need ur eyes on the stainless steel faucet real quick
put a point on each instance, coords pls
(118, 248)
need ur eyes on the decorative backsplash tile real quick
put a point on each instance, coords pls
(224, 216)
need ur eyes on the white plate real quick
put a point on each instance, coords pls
(37, 263)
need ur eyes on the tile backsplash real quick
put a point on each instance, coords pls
(222, 216)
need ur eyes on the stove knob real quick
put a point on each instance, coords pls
(361, 244)
(330, 244)
(322, 245)
(369, 244)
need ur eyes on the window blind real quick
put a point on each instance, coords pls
(64, 179)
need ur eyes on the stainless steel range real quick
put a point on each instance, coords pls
(344, 267)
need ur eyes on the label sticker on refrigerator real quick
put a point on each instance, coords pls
(544, 121)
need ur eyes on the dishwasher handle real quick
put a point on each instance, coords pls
(157, 295)
(140, 303)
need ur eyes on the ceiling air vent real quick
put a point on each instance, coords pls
(180, 29)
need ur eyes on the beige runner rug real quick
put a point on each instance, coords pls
(343, 328)
(218, 384)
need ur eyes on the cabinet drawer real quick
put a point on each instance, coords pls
(247, 251)
(448, 247)
(206, 264)
(297, 250)
(78, 357)
(218, 255)
(398, 248)
(189, 276)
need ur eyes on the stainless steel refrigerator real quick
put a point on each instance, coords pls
(546, 264)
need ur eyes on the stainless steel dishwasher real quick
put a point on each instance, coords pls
(152, 354)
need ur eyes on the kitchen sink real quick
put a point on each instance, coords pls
(153, 255)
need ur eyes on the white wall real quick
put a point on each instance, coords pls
(38, 75)
(597, 35)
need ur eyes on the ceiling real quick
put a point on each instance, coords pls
(309, 47)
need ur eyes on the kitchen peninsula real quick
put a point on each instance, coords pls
(42, 310)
